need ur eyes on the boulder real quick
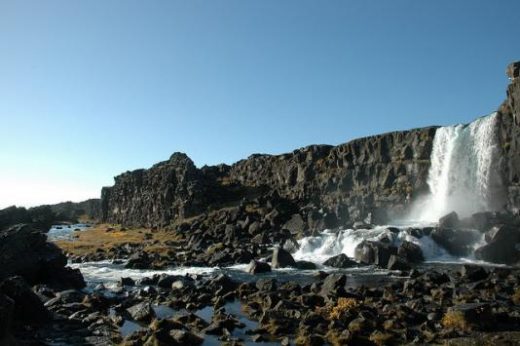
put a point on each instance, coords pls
(29, 309)
(411, 251)
(340, 261)
(473, 272)
(142, 312)
(6, 318)
(334, 285)
(257, 267)
(503, 246)
(282, 258)
(450, 220)
(296, 224)
(24, 251)
(374, 252)
(457, 242)
(398, 263)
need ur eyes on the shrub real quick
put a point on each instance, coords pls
(455, 320)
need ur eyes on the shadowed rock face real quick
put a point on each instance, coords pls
(349, 180)
(509, 118)
(24, 251)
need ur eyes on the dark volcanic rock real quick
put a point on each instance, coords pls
(503, 245)
(398, 263)
(28, 306)
(450, 220)
(367, 175)
(24, 251)
(6, 319)
(456, 241)
(412, 252)
(257, 267)
(340, 261)
(334, 285)
(282, 259)
(374, 252)
(142, 312)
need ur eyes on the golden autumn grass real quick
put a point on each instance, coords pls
(106, 236)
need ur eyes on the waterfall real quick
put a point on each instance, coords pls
(464, 175)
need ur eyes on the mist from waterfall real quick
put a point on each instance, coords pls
(464, 175)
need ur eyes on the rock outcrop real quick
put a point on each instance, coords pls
(509, 134)
(365, 179)
(346, 182)
(24, 251)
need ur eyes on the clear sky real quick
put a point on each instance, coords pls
(89, 89)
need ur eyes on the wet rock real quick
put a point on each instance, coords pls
(282, 258)
(291, 245)
(411, 251)
(305, 265)
(456, 242)
(126, 282)
(340, 261)
(373, 252)
(266, 285)
(257, 267)
(141, 312)
(398, 263)
(166, 281)
(223, 283)
(139, 260)
(450, 220)
(183, 337)
(503, 246)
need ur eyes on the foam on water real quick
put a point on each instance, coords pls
(328, 244)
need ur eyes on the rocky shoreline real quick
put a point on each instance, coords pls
(416, 304)
(256, 214)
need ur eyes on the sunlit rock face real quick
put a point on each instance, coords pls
(463, 168)
(376, 175)
(509, 127)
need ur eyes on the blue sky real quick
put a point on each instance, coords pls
(89, 89)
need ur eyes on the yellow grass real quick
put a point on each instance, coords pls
(105, 236)
(455, 320)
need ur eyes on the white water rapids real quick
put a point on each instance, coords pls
(463, 177)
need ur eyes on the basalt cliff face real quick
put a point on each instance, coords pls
(509, 128)
(376, 176)
(348, 181)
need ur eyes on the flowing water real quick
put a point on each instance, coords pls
(463, 177)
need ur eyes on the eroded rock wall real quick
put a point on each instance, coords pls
(367, 175)
(509, 120)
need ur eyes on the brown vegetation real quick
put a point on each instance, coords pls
(106, 236)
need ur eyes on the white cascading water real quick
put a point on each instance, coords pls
(464, 174)
(463, 177)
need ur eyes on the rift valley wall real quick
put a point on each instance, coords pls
(509, 134)
(367, 175)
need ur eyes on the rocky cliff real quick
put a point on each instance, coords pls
(509, 120)
(350, 181)
(372, 176)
